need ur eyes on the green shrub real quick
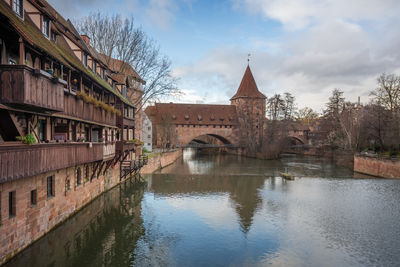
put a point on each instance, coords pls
(28, 139)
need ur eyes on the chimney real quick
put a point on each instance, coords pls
(86, 39)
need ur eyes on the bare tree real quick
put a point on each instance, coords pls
(306, 115)
(166, 133)
(275, 107)
(388, 92)
(119, 38)
(289, 107)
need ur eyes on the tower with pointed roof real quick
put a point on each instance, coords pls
(250, 106)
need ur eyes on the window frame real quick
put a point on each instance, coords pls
(78, 176)
(20, 5)
(46, 26)
(51, 192)
(85, 59)
(33, 197)
(12, 205)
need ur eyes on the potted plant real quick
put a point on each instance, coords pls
(50, 71)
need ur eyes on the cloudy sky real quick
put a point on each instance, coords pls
(306, 47)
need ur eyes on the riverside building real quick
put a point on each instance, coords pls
(66, 122)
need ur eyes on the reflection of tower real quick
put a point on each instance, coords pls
(250, 107)
(244, 192)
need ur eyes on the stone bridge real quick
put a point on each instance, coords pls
(185, 135)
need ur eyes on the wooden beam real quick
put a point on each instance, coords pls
(101, 166)
(4, 53)
(107, 166)
(94, 170)
(21, 51)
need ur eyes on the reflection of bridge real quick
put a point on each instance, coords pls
(200, 145)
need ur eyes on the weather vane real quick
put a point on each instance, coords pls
(248, 59)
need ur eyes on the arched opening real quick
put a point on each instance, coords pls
(209, 140)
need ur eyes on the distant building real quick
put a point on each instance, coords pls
(147, 128)
(240, 123)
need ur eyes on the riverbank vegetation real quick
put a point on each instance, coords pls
(343, 125)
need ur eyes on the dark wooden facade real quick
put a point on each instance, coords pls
(123, 122)
(77, 108)
(23, 86)
(20, 161)
(124, 146)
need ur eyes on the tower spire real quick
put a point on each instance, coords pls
(248, 59)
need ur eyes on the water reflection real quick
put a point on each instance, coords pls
(224, 210)
(104, 233)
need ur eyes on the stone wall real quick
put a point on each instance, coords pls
(380, 167)
(160, 160)
(33, 221)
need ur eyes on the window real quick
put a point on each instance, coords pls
(103, 74)
(78, 176)
(46, 26)
(50, 186)
(12, 204)
(149, 128)
(85, 59)
(33, 197)
(87, 173)
(18, 7)
(95, 67)
(54, 36)
(41, 130)
(67, 185)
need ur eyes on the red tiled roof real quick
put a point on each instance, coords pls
(192, 114)
(248, 87)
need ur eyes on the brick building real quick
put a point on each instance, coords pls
(71, 106)
(239, 123)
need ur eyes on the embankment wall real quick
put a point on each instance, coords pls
(380, 167)
(160, 160)
(32, 221)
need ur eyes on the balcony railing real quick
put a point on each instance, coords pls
(21, 85)
(75, 107)
(18, 161)
(123, 146)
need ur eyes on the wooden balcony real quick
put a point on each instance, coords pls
(124, 146)
(123, 122)
(75, 107)
(18, 160)
(24, 87)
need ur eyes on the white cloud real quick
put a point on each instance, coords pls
(161, 12)
(217, 211)
(297, 14)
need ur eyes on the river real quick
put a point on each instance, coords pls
(225, 210)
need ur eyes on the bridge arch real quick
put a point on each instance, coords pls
(185, 134)
(296, 138)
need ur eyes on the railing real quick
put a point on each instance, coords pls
(75, 107)
(18, 161)
(109, 151)
(133, 166)
(23, 86)
(124, 146)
